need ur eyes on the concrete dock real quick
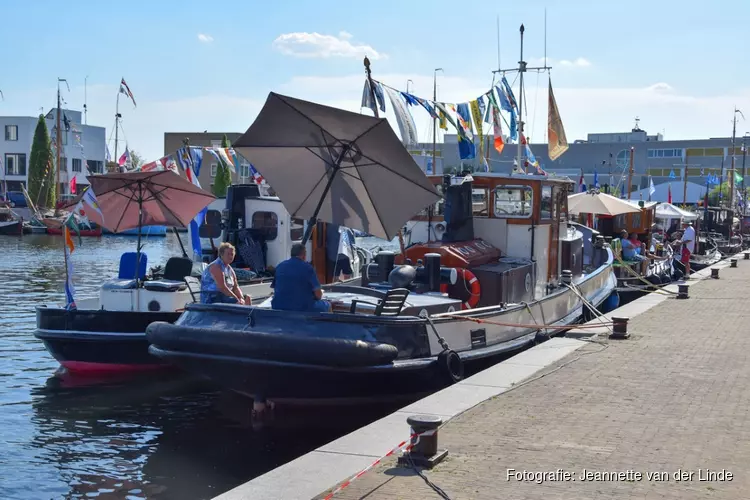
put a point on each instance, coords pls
(663, 414)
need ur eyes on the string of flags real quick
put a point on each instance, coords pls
(469, 119)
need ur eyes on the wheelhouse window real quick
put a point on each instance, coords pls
(480, 202)
(267, 223)
(547, 203)
(297, 229)
(513, 201)
(11, 132)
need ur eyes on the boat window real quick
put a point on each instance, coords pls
(619, 222)
(268, 223)
(437, 208)
(513, 201)
(637, 220)
(546, 206)
(480, 200)
(297, 229)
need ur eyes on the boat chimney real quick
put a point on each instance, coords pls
(432, 267)
(458, 212)
(385, 260)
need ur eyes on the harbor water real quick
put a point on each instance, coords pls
(166, 436)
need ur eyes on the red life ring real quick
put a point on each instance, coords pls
(470, 286)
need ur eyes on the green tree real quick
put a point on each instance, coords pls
(39, 164)
(135, 160)
(223, 175)
(713, 195)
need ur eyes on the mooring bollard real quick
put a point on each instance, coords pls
(732, 262)
(619, 328)
(747, 255)
(424, 453)
(682, 291)
(714, 273)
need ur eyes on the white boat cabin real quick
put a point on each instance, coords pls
(521, 217)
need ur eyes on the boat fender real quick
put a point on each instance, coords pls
(451, 365)
(469, 283)
(154, 306)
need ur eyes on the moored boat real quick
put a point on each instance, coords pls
(486, 285)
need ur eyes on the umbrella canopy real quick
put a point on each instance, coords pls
(599, 204)
(669, 211)
(157, 198)
(336, 166)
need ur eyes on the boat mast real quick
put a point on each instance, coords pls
(117, 124)
(58, 140)
(744, 172)
(684, 182)
(630, 171)
(434, 120)
(521, 69)
(731, 176)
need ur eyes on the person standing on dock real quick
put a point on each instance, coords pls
(688, 246)
(339, 251)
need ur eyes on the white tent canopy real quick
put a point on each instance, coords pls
(669, 211)
(695, 192)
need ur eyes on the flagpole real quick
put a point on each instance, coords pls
(744, 155)
(630, 171)
(117, 125)
(684, 184)
(731, 177)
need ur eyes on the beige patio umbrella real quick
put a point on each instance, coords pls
(599, 204)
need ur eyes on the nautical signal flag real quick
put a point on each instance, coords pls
(70, 291)
(73, 185)
(124, 89)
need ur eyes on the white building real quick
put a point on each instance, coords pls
(83, 149)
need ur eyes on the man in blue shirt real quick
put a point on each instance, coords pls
(296, 287)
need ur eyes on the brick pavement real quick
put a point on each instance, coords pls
(676, 395)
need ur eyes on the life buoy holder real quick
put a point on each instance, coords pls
(470, 284)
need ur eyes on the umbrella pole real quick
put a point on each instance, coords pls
(138, 247)
(179, 240)
(311, 222)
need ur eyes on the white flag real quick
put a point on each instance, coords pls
(651, 188)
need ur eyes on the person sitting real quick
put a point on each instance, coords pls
(631, 251)
(339, 241)
(219, 282)
(295, 285)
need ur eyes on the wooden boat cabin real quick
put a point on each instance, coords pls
(506, 234)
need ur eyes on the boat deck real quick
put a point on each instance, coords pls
(671, 398)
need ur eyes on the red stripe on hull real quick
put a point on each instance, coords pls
(89, 368)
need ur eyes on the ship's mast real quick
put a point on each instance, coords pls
(434, 121)
(521, 69)
(58, 139)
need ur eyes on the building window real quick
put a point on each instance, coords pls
(546, 202)
(267, 223)
(95, 166)
(11, 132)
(297, 229)
(63, 164)
(244, 170)
(216, 143)
(513, 201)
(15, 164)
(479, 202)
(214, 169)
(76, 164)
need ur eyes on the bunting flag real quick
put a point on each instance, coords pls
(227, 157)
(124, 158)
(73, 185)
(124, 89)
(405, 121)
(651, 187)
(196, 159)
(596, 179)
(89, 199)
(442, 121)
(498, 130)
(530, 156)
(476, 113)
(504, 101)
(379, 95)
(557, 143)
(107, 156)
(466, 149)
(672, 175)
(482, 109)
(69, 246)
(367, 100)
(426, 105)
(509, 93)
(513, 126)
(256, 175)
(737, 177)
(581, 185)
(444, 112)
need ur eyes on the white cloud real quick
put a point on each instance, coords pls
(205, 38)
(565, 63)
(577, 63)
(315, 45)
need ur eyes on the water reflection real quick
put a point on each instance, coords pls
(166, 436)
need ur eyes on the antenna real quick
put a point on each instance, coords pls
(498, 42)
(85, 98)
(66, 82)
(545, 36)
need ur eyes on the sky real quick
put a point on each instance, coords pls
(680, 66)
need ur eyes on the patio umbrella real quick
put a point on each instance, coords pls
(599, 204)
(156, 198)
(336, 166)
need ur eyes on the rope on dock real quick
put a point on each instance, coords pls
(536, 326)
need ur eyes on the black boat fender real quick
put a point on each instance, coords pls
(270, 346)
(451, 365)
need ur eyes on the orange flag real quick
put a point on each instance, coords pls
(557, 143)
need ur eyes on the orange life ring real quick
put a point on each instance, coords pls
(470, 284)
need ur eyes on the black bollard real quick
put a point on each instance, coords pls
(682, 291)
(747, 255)
(424, 452)
(619, 328)
(714, 273)
(732, 262)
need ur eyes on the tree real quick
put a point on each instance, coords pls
(40, 162)
(713, 195)
(223, 174)
(135, 160)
